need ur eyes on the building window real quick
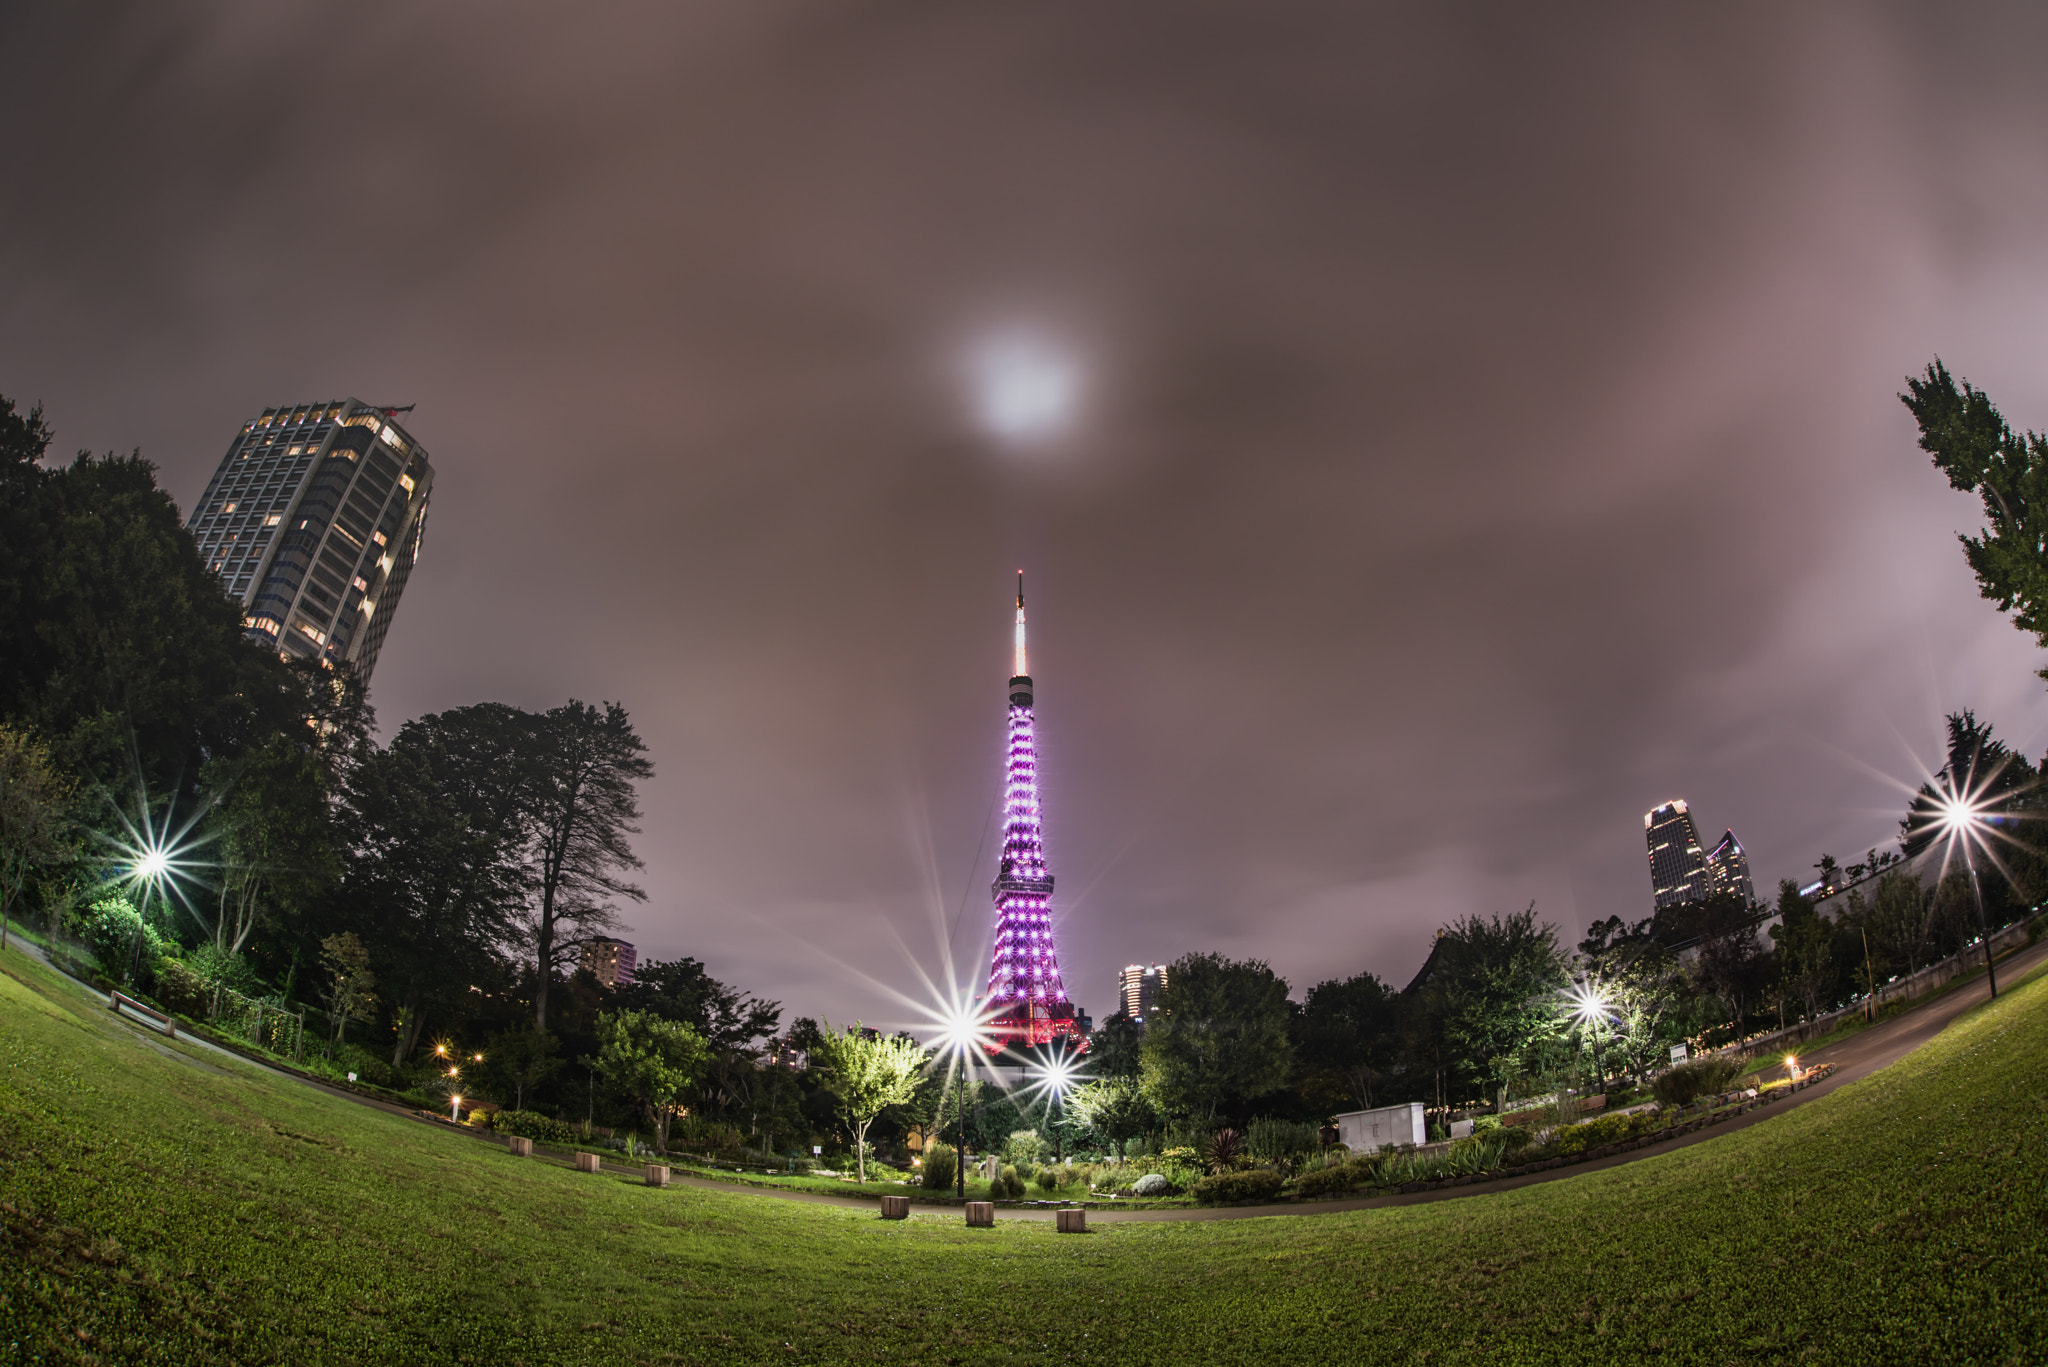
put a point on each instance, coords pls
(273, 519)
(405, 481)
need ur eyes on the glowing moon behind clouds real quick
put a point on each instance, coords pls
(1025, 386)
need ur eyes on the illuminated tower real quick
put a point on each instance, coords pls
(1678, 866)
(1026, 1001)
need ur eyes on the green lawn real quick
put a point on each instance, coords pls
(160, 1212)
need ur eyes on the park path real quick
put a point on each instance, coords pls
(1854, 1058)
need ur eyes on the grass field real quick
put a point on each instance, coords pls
(157, 1209)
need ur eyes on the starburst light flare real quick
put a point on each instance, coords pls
(152, 858)
(1054, 1073)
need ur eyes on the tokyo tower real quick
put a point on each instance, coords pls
(1026, 1002)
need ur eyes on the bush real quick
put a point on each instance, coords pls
(179, 989)
(1701, 1077)
(1007, 1186)
(111, 929)
(1048, 1178)
(940, 1164)
(1022, 1148)
(532, 1125)
(1258, 1185)
(1513, 1139)
(1330, 1181)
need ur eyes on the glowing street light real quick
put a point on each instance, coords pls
(961, 1030)
(1965, 822)
(455, 1109)
(1591, 1006)
(1054, 1073)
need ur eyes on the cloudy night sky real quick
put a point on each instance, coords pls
(1431, 438)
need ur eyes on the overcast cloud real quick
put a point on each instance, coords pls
(1445, 433)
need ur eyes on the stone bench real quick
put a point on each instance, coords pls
(981, 1214)
(657, 1174)
(1070, 1221)
(587, 1162)
(895, 1207)
(521, 1146)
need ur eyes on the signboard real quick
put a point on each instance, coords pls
(1678, 1053)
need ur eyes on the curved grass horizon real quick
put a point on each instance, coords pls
(160, 1207)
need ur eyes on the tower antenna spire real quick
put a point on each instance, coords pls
(1023, 670)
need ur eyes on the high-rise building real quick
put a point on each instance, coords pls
(1728, 869)
(1678, 866)
(611, 961)
(313, 523)
(1026, 1001)
(1138, 987)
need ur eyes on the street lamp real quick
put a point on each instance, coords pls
(1964, 821)
(1055, 1074)
(961, 1028)
(1591, 1008)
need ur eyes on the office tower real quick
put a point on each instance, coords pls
(1728, 869)
(1678, 866)
(1026, 1002)
(313, 523)
(1138, 988)
(611, 961)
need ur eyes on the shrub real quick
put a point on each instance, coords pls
(1701, 1077)
(111, 930)
(1008, 1186)
(1281, 1141)
(940, 1163)
(1258, 1185)
(1330, 1181)
(532, 1125)
(1513, 1139)
(1022, 1148)
(1048, 1178)
(1224, 1152)
(179, 989)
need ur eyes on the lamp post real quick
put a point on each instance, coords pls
(1962, 820)
(1590, 1008)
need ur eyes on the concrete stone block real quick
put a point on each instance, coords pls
(586, 1162)
(657, 1174)
(895, 1207)
(1070, 1221)
(981, 1214)
(521, 1147)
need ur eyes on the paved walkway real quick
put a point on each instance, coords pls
(1854, 1058)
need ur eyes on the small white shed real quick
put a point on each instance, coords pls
(1365, 1131)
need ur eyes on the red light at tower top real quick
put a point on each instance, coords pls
(1026, 998)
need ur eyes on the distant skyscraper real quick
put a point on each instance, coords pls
(611, 961)
(1728, 869)
(1678, 866)
(1138, 988)
(313, 522)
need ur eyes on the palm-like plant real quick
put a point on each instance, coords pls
(1224, 1151)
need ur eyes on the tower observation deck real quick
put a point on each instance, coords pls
(1026, 1001)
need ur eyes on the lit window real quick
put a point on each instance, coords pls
(273, 519)
(378, 537)
(319, 637)
(229, 506)
(405, 482)
(391, 435)
(295, 450)
(362, 584)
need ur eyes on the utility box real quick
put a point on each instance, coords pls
(1366, 1131)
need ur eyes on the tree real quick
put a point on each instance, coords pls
(522, 1059)
(1115, 1108)
(434, 834)
(869, 1073)
(351, 985)
(1971, 444)
(34, 828)
(652, 1060)
(1116, 1049)
(117, 646)
(581, 803)
(1494, 995)
(1348, 1032)
(1805, 955)
(1218, 1036)
(276, 849)
(1898, 919)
